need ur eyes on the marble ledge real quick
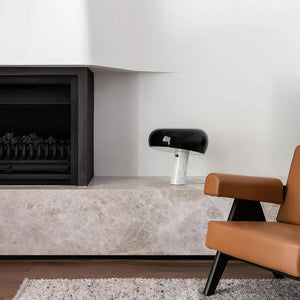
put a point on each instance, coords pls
(112, 216)
(120, 183)
(138, 183)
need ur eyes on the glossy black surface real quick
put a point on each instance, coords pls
(187, 139)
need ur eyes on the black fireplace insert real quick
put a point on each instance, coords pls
(46, 126)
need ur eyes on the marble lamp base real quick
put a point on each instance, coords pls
(112, 216)
(180, 166)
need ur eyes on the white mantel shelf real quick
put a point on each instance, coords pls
(112, 216)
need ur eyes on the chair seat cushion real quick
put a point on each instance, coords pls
(269, 244)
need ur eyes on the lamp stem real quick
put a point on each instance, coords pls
(180, 166)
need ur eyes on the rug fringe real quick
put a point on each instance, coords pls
(22, 288)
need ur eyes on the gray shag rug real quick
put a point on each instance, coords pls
(167, 289)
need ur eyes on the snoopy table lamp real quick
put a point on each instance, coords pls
(181, 142)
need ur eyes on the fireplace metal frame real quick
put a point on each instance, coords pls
(81, 80)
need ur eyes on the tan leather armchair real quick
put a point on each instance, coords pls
(246, 235)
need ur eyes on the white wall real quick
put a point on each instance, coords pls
(116, 124)
(237, 63)
(239, 82)
(102, 33)
(131, 34)
(43, 32)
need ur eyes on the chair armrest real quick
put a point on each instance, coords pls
(244, 187)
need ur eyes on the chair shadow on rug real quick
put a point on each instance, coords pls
(246, 235)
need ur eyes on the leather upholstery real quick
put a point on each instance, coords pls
(269, 244)
(245, 187)
(290, 210)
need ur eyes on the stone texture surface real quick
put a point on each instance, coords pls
(112, 216)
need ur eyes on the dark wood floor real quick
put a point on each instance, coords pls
(12, 272)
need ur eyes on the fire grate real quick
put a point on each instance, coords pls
(34, 153)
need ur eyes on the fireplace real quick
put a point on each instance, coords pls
(46, 125)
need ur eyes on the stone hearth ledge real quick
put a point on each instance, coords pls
(112, 216)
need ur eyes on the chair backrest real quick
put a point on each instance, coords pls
(290, 210)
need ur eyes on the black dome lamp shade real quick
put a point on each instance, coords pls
(180, 141)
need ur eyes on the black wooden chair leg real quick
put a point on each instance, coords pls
(216, 272)
(241, 210)
(277, 275)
